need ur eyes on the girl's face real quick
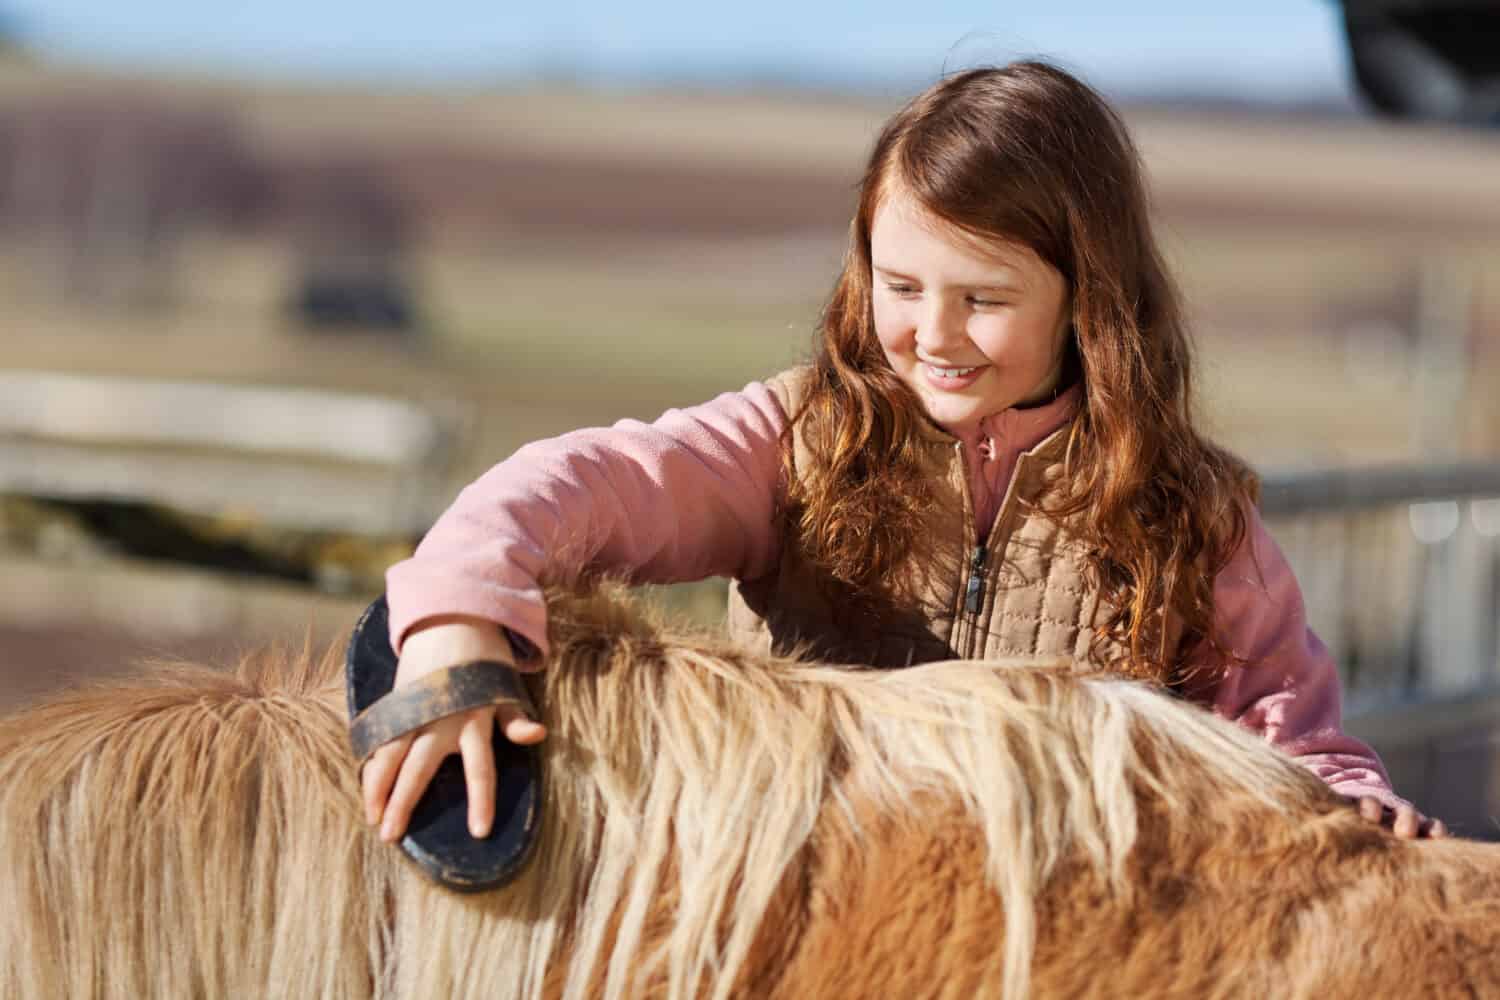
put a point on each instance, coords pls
(972, 329)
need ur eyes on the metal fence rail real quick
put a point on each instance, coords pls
(1322, 491)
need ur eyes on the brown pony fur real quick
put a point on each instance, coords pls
(720, 824)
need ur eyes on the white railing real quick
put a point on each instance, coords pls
(294, 457)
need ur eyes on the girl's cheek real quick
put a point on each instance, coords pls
(992, 343)
(889, 328)
(1010, 341)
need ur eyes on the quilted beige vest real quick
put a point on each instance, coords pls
(1022, 593)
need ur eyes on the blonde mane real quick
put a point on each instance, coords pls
(690, 789)
(701, 764)
(217, 803)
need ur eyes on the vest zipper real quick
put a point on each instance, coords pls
(974, 592)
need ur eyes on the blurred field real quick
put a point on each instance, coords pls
(1291, 238)
(581, 257)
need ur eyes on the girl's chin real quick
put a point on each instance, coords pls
(953, 418)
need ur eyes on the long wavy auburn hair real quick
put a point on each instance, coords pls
(1029, 154)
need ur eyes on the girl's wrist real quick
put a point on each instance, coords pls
(455, 638)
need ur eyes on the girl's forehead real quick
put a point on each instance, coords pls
(902, 232)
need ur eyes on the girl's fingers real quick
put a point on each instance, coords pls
(397, 773)
(416, 771)
(479, 773)
(379, 775)
(1404, 821)
(518, 728)
(1407, 823)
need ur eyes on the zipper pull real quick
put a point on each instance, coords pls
(974, 593)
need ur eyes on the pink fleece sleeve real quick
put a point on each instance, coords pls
(689, 496)
(1288, 688)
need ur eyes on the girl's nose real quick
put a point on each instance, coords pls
(937, 327)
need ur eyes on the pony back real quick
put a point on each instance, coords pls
(193, 832)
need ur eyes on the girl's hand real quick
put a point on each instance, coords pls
(397, 773)
(1405, 822)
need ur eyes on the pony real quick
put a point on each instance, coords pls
(720, 823)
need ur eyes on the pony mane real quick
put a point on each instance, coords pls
(689, 785)
(685, 768)
(181, 797)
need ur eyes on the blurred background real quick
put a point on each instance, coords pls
(278, 280)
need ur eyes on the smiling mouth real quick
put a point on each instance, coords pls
(950, 373)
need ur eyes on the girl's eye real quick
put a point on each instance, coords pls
(985, 302)
(904, 291)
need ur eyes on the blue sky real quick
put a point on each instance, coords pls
(1271, 49)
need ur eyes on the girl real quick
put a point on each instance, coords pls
(991, 455)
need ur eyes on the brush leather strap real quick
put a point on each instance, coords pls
(435, 696)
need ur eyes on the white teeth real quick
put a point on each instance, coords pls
(951, 372)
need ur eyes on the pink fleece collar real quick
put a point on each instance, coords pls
(993, 448)
(1019, 429)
